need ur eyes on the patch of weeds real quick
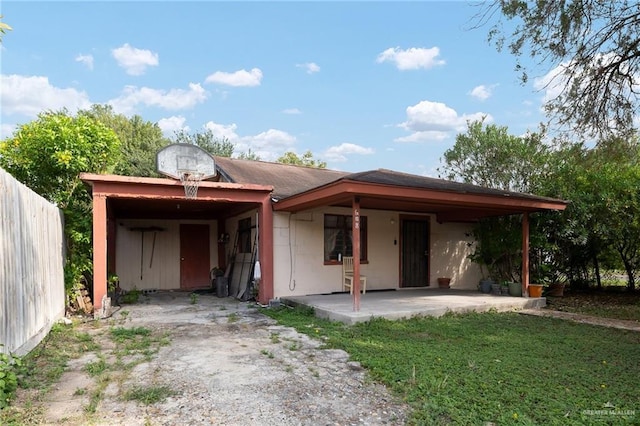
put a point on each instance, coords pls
(233, 317)
(294, 346)
(149, 395)
(97, 394)
(124, 315)
(314, 372)
(194, 298)
(80, 391)
(131, 297)
(275, 337)
(10, 368)
(223, 308)
(269, 354)
(288, 369)
(96, 368)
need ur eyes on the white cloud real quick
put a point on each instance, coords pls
(411, 59)
(31, 95)
(482, 92)
(134, 61)
(293, 111)
(174, 99)
(241, 78)
(339, 153)
(435, 121)
(310, 67)
(220, 131)
(268, 145)
(87, 60)
(172, 124)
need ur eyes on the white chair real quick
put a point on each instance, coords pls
(347, 275)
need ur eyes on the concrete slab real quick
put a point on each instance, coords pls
(407, 303)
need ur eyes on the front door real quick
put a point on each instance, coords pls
(415, 252)
(194, 256)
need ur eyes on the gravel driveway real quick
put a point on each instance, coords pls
(227, 364)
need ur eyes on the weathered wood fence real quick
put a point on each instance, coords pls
(32, 296)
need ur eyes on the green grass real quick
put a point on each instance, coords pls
(489, 368)
(149, 395)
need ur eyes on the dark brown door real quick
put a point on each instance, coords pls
(194, 256)
(415, 253)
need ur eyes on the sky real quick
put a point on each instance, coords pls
(362, 85)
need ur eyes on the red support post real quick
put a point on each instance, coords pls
(99, 250)
(525, 253)
(355, 223)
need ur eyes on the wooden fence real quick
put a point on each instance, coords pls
(32, 296)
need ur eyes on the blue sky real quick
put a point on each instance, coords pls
(363, 85)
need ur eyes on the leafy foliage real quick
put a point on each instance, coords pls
(591, 48)
(10, 368)
(306, 160)
(207, 141)
(140, 140)
(47, 155)
(4, 27)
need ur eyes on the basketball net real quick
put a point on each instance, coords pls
(191, 181)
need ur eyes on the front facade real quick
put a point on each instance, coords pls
(294, 228)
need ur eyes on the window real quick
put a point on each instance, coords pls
(338, 238)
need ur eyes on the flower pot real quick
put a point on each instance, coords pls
(485, 285)
(535, 290)
(504, 290)
(444, 282)
(496, 289)
(515, 289)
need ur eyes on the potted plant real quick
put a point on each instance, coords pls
(515, 289)
(535, 290)
(504, 288)
(444, 282)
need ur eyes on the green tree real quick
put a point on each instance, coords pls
(47, 155)
(3, 28)
(591, 45)
(140, 140)
(207, 141)
(487, 155)
(306, 160)
(249, 155)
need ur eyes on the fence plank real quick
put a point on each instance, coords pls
(31, 266)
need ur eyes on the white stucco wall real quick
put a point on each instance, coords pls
(164, 272)
(299, 268)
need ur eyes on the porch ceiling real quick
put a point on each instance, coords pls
(130, 208)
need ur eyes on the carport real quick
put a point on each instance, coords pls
(122, 197)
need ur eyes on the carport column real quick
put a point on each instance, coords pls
(525, 253)
(356, 253)
(265, 246)
(99, 250)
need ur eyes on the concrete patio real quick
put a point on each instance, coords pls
(405, 303)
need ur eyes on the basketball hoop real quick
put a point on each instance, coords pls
(191, 180)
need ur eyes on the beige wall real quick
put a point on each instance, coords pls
(164, 273)
(298, 253)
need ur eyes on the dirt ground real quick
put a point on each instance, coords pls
(226, 364)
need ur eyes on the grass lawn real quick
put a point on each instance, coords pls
(493, 368)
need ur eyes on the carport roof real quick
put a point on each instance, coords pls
(299, 188)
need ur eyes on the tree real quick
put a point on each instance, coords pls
(590, 46)
(140, 140)
(3, 28)
(306, 160)
(207, 141)
(487, 155)
(47, 155)
(249, 155)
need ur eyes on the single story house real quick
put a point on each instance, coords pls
(297, 222)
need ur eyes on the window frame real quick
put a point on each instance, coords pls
(345, 224)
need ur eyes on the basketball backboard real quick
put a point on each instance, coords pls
(180, 158)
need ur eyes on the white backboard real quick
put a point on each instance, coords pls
(173, 160)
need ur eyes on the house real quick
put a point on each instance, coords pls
(298, 223)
